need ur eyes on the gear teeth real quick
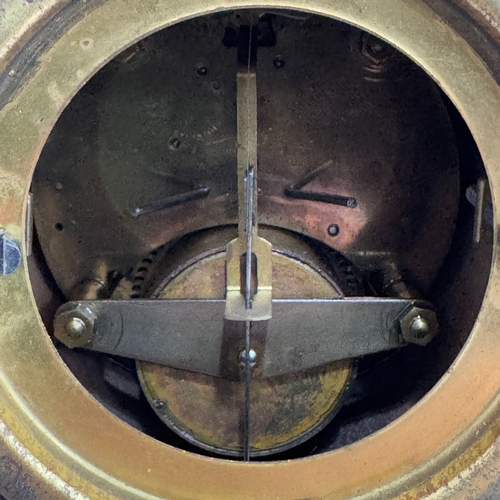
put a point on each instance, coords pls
(142, 272)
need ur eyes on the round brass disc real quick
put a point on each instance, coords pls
(209, 411)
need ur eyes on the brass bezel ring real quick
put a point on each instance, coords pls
(74, 448)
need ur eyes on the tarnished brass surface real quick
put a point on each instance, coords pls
(54, 425)
(486, 12)
(19, 21)
(208, 410)
(308, 122)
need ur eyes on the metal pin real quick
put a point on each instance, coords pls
(249, 222)
(333, 199)
(478, 213)
(29, 225)
(172, 201)
(251, 148)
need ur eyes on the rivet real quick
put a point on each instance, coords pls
(202, 70)
(279, 62)
(333, 229)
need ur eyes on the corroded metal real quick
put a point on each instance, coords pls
(110, 460)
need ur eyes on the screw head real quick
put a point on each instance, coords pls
(279, 62)
(419, 327)
(333, 229)
(202, 70)
(10, 255)
(75, 327)
(251, 358)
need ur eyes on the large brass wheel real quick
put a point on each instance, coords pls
(57, 441)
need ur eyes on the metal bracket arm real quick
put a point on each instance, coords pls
(193, 334)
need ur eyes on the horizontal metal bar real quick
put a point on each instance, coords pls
(193, 335)
(182, 334)
(308, 333)
(172, 201)
(333, 199)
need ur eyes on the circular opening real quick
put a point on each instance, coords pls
(31, 367)
(367, 176)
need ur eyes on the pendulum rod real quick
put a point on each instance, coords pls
(250, 187)
(248, 257)
(248, 380)
(249, 218)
